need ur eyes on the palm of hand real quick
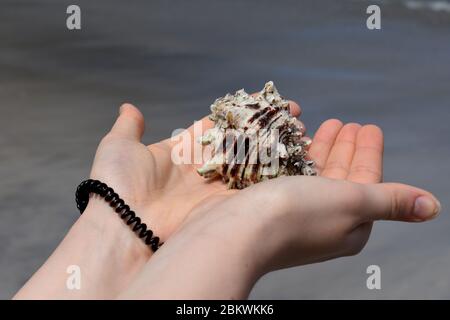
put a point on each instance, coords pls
(166, 195)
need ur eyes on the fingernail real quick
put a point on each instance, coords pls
(426, 207)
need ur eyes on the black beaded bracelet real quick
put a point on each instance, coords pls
(94, 186)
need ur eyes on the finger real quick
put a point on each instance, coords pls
(367, 163)
(130, 123)
(323, 141)
(341, 154)
(393, 201)
(294, 109)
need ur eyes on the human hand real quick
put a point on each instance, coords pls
(288, 221)
(165, 195)
(284, 222)
(162, 193)
(319, 218)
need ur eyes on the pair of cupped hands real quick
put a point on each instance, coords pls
(283, 222)
(219, 242)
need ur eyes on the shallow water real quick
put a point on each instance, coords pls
(60, 90)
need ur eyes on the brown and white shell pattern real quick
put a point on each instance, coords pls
(255, 138)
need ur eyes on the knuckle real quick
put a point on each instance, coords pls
(366, 169)
(395, 205)
(353, 198)
(335, 167)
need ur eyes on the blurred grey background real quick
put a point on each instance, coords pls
(60, 91)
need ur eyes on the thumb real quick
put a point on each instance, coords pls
(130, 123)
(394, 201)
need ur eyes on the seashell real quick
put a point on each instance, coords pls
(254, 139)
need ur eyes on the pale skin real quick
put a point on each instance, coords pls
(218, 242)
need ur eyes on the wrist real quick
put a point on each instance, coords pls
(116, 255)
(101, 221)
(212, 251)
(261, 228)
(104, 249)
